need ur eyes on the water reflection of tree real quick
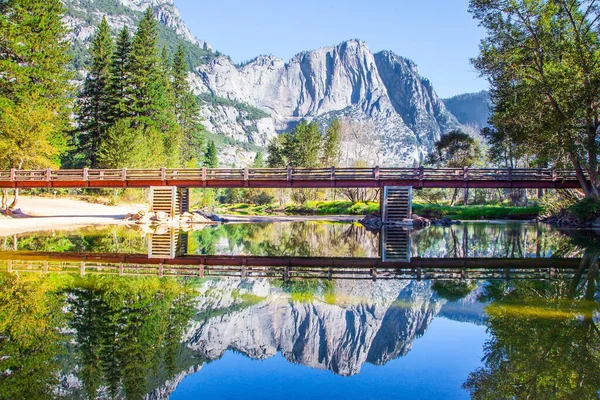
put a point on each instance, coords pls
(127, 332)
(287, 239)
(544, 341)
(114, 239)
(31, 336)
(494, 240)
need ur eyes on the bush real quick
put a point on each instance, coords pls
(586, 209)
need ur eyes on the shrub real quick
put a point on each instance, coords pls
(586, 209)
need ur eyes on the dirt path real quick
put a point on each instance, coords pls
(46, 213)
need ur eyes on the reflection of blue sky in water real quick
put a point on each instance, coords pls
(436, 367)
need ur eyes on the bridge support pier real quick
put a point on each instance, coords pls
(396, 204)
(171, 200)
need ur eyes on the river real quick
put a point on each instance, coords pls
(300, 310)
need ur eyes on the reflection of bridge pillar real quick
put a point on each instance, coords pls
(396, 203)
(171, 200)
(395, 244)
(169, 244)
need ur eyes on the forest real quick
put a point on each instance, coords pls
(135, 107)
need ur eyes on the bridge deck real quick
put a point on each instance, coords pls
(292, 178)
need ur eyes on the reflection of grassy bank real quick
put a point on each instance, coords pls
(307, 208)
(472, 212)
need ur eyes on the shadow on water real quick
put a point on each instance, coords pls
(105, 335)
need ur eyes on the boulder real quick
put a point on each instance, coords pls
(198, 218)
(161, 216)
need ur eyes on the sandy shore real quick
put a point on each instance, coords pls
(46, 213)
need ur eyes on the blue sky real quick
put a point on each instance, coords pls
(439, 35)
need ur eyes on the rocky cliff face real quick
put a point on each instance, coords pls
(392, 114)
(471, 109)
(403, 114)
(83, 16)
(377, 327)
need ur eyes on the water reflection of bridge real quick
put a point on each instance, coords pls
(284, 267)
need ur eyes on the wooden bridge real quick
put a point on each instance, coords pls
(291, 178)
(291, 267)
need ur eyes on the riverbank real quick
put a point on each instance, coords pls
(431, 211)
(47, 213)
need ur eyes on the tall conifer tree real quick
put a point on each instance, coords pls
(210, 157)
(145, 70)
(187, 109)
(94, 102)
(120, 89)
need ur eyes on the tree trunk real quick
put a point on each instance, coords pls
(4, 201)
(15, 200)
(454, 194)
(466, 198)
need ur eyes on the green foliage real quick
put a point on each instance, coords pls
(187, 109)
(211, 159)
(586, 209)
(28, 135)
(32, 337)
(34, 82)
(259, 161)
(300, 148)
(247, 111)
(125, 146)
(538, 57)
(453, 290)
(475, 212)
(455, 149)
(120, 90)
(94, 101)
(332, 143)
(333, 208)
(543, 340)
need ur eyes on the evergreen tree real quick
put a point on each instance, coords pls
(34, 76)
(187, 109)
(126, 145)
(210, 157)
(145, 68)
(303, 147)
(259, 161)
(332, 144)
(120, 88)
(94, 104)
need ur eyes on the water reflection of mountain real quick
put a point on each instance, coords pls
(331, 330)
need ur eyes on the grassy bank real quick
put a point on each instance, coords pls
(476, 212)
(472, 212)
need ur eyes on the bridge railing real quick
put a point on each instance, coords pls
(330, 173)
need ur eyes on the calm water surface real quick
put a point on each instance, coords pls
(108, 336)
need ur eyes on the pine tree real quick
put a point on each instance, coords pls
(332, 143)
(146, 79)
(34, 76)
(120, 87)
(304, 145)
(94, 103)
(187, 109)
(259, 161)
(210, 157)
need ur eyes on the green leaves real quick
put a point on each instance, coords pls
(34, 88)
(541, 58)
